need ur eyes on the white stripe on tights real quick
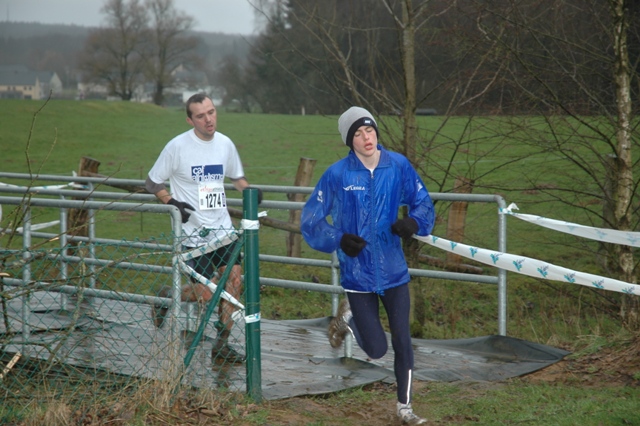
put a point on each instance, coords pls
(409, 388)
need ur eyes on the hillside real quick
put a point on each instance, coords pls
(49, 47)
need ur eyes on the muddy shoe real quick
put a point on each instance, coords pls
(339, 325)
(159, 313)
(407, 416)
(222, 353)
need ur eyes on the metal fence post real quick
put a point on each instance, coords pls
(62, 263)
(176, 286)
(502, 274)
(26, 278)
(252, 293)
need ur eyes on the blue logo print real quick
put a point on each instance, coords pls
(518, 264)
(543, 271)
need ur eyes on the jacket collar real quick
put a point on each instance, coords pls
(355, 163)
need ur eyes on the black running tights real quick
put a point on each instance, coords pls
(371, 337)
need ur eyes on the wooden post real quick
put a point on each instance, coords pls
(303, 178)
(458, 216)
(77, 223)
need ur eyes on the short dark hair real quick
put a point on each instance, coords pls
(198, 98)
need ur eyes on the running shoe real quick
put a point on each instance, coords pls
(407, 416)
(339, 325)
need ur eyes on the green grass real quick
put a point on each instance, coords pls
(509, 403)
(127, 137)
(520, 403)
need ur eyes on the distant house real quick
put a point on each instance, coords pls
(19, 82)
(185, 83)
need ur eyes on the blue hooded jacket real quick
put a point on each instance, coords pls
(366, 203)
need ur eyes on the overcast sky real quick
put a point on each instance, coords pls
(227, 16)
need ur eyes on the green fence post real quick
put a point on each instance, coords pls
(252, 293)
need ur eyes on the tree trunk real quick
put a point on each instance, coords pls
(624, 183)
(158, 95)
(417, 315)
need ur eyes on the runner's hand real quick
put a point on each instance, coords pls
(405, 227)
(182, 206)
(352, 244)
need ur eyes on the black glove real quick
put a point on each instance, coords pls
(259, 195)
(182, 206)
(352, 244)
(405, 227)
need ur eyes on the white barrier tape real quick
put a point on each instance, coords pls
(531, 267)
(252, 318)
(209, 247)
(613, 236)
(250, 224)
(39, 188)
(10, 365)
(203, 280)
(35, 227)
(76, 184)
(8, 185)
(238, 316)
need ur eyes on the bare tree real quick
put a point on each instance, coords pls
(233, 75)
(566, 63)
(569, 63)
(169, 45)
(367, 53)
(112, 55)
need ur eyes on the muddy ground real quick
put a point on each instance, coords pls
(610, 366)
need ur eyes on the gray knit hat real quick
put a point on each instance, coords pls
(351, 120)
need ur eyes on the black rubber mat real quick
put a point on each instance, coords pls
(119, 337)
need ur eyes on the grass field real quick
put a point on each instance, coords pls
(127, 137)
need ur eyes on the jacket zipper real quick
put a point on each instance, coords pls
(374, 235)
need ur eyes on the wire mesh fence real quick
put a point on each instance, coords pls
(86, 320)
(94, 321)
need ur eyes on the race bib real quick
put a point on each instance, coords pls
(211, 195)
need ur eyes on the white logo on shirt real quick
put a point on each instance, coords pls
(354, 188)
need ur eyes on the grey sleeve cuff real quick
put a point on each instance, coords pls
(153, 187)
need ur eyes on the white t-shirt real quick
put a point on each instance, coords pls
(196, 170)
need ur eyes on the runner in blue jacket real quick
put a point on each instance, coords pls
(362, 194)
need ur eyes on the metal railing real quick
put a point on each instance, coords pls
(129, 199)
(142, 202)
(24, 333)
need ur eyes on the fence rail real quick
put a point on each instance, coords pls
(87, 268)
